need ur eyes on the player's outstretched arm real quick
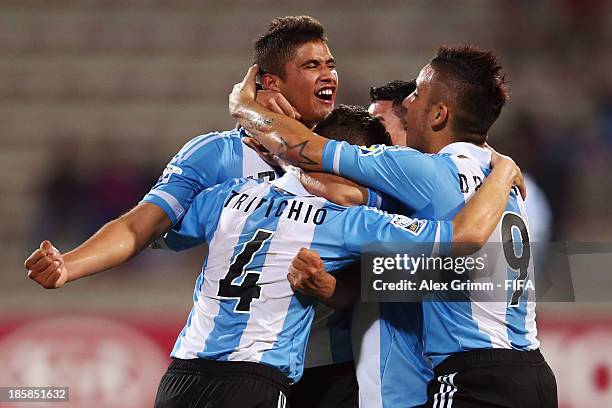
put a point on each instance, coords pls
(112, 245)
(281, 135)
(307, 275)
(475, 223)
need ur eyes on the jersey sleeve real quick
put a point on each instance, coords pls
(403, 173)
(367, 226)
(385, 202)
(199, 221)
(375, 198)
(196, 167)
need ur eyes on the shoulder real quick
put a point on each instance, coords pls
(408, 155)
(203, 143)
(414, 164)
(445, 159)
(241, 182)
(334, 208)
(224, 188)
(367, 212)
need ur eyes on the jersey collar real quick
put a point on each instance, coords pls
(481, 155)
(291, 184)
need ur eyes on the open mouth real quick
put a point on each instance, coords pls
(325, 94)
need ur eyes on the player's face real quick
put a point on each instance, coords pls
(311, 82)
(384, 111)
(417, 108)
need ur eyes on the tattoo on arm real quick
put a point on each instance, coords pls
(262, 123)
(304, 160)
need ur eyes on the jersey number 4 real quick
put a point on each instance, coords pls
(248, 289)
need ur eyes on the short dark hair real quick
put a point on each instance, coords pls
(277, 45)
(395, 91)
(477, 87)
(355, 125)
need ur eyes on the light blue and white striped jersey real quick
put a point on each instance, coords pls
(430, 186)
(244, 308)
(203, 162)
(214, 158)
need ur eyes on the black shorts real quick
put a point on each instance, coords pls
(330, 386)
(493, 378)
(200, 383)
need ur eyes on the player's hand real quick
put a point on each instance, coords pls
(46, 266)
(264, 153)
(499, 160)
(244, 92)
(276, 102)
(307, 275)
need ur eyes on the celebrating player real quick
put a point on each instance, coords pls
(386, 105)
(459, 96)
(245, 337)
(298, 72)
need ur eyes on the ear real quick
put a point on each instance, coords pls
(439, 115)
(271, 82)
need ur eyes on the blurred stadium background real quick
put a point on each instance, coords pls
(97, 95)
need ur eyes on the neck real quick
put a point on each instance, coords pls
(439, 141)
(309, 125)
(443, 140)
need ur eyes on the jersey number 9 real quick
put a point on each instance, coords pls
(516, 252)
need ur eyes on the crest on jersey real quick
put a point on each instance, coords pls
(373, 150)
(408, 224)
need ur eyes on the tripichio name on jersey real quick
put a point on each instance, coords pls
(297, 211)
